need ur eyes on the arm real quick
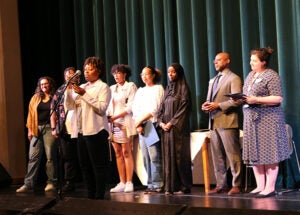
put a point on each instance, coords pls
(153, 108)
(274, 92)
(98, 100)
(129, 96)
(265, 100)
(30, 118)
(53, 123)
(182, 111)
(69, 102)
(235, 87)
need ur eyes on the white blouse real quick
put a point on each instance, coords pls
(121, 101)
(93, 106)
(147, 100)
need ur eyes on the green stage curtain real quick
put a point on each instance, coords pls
(159, 32)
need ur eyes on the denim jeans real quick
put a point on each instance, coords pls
(45, 142)
(152, 162)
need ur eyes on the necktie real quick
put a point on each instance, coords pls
(214, 88)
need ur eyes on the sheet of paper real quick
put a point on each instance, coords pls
(150, 135)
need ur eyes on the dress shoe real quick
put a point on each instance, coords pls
(234, 190)
(251, 194)
(218, 190)
(260, 196)
(69, 186)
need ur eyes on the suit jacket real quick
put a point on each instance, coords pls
(227, 115)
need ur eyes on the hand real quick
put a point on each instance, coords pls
(140, 130)
(166, 127)
(29, 135)
(110, 119)
(78, 89)
(205, 106)
(210, 106)
(251, 99)
(54, 134)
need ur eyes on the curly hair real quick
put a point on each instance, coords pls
(96, 62)
(121, 68)
(52, 86)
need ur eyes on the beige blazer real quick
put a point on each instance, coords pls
(227, 115)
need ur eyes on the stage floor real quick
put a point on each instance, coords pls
(39, 202)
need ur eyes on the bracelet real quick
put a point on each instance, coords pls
(53, 129)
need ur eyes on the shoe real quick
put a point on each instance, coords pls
(234, 190)
(158, 190)
(148, 191)
(153, 190)
(252, 194)
(182, 192)
(128, 187)
(22, 189)
(260, 196)
(49, 187)
(179, 192)
(218, 190)
(69, 186)
(119, 188)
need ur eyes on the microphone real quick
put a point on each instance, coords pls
(76, 74)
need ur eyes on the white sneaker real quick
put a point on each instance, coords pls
(128, 187)
(49, 187)
(22, 189)
(119, 188)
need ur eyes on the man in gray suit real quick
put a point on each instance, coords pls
(223, 125)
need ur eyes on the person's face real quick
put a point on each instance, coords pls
(221, 62)
(90, 73)
(120, 77)
(172, 74)
(69, 74)
(45, 86)
(147, 76)
(256, 64)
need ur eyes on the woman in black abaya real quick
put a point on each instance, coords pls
(174, 121)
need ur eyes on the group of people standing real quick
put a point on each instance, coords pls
(265, 141)
(91, 116)
(86, 118)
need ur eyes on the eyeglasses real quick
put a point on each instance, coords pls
(145, 74)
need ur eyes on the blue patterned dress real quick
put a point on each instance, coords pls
(265, 139)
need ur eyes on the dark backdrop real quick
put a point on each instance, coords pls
(56, 34)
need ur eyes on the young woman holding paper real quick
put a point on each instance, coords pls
(145, 108)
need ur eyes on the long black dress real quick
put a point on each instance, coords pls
(176, 142)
